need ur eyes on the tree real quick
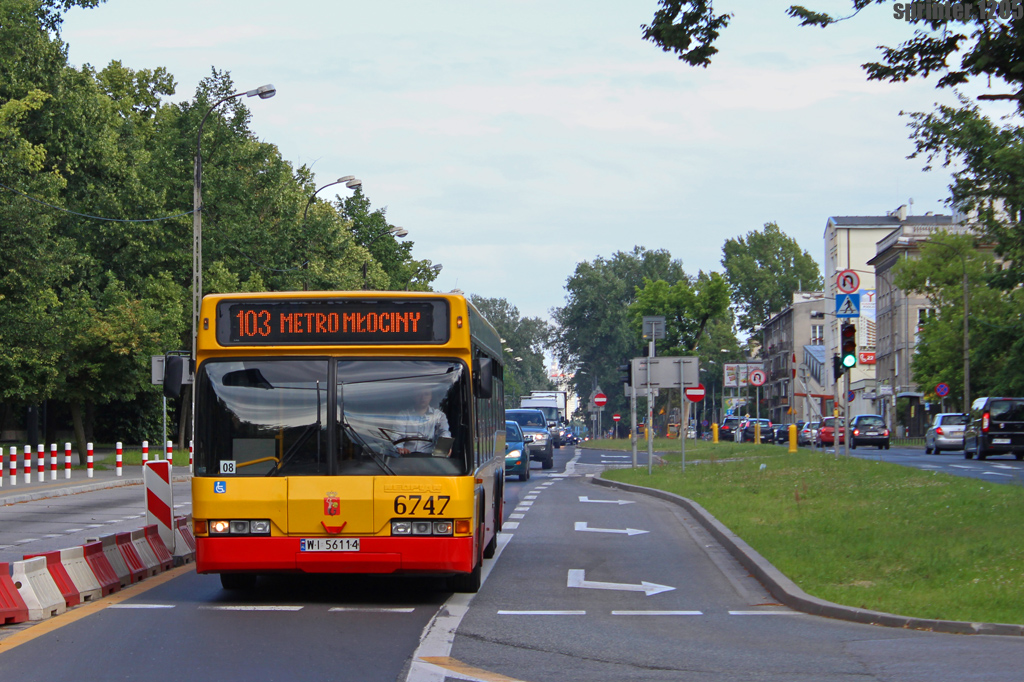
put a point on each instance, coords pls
(763, 270)
(524, 340)
(987, 41)
(594, 334)
(688, 308)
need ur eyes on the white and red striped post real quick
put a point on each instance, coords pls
(2, 467)
(41, 463)
(13, 466)
(190, 457)
(88, 459)
(170, 454)
(28, 464)
(117, 458)
(145, 452)
(53, 461)
(67, 461)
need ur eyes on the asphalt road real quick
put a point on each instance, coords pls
(589, 584)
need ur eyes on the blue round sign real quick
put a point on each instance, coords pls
(850, 396)
(942, 390)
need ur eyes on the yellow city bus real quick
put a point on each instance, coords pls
(347, 432)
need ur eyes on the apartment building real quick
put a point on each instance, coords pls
(794, 359)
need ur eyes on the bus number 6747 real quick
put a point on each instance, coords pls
(409, 504)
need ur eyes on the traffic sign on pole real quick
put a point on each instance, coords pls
(616, 417)
(600, 399)
(848, 281)
(695, 395)
(757, 377)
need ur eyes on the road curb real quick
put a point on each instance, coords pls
(790, 594)
(76, 489)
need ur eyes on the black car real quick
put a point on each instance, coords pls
(727, 430)
(996, 427)
(782, 432)
(869, 429)
(767, 432)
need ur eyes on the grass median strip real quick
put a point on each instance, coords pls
(866, 533)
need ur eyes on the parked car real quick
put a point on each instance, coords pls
(517, 457)
(727, 429)
(535, 431)
(869, 429)
(996, 427)
(782, 432)
(808, 435)
(826, 432)
(767, 433)
(946, 432)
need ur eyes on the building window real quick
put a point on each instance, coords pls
(817, 334)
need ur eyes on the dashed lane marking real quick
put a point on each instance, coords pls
(373, 609)
(657, 613)
(765, 613)
(142, 606)
(510, 525)
(542, 613)
(517, 516)
(250, 608)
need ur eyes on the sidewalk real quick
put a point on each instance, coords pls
(78, 483)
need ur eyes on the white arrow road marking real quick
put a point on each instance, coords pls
(584, 498)
(582, 525)
(577, 579)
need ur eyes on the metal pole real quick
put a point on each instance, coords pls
(632, 417)
(846, 414)
(650, 412)
(684, 416)
(967, 352)
(164, 441)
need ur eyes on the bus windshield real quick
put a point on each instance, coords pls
(269, 417)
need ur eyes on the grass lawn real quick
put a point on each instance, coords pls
(864, 533)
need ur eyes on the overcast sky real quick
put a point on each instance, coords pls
(516, 139)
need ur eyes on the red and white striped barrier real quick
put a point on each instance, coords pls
(41, 463)
(27, 464)
(145, 452)
(190, 470)
(156, 543)
(170, 454)
(2, 467)
(184, 541)
(107, 579)
(37, 588)
(117, 562)
(12, 606)
(117, 460)
(73, 560)
(13, 467)
(160, 500)
(53, 461)
(67, 461)
(60, 576)
(88, 459)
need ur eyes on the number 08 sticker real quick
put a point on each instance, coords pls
(227, 466)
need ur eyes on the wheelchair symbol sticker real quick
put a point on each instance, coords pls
(220, 486)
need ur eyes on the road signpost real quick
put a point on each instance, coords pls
(848, 281)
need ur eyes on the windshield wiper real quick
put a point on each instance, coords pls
(299, 442)
(366, 448)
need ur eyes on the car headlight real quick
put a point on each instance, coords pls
(540, 437)
(513, 455)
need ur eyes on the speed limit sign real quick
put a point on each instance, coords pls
(757, 377)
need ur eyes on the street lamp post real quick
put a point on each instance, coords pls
(263, 92)
(352, 183)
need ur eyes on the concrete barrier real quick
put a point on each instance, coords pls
(12, 606)
(107, 578)
(117, 562)
(73, 560)
(145, 552)
(136, 566)
(37, 588)
(60, 576)
(156, 543)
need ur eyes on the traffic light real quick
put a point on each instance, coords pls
(626, 373)
(848, 345)
(837, 368)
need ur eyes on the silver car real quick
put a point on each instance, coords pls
(808, 435)
(945, 433)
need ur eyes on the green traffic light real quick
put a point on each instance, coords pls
(849, 360)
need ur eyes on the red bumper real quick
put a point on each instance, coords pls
(376, 555)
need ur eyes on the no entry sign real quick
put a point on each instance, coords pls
(600, 399)
(616, 417)
(695, 394)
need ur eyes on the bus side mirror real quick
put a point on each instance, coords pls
(173, 365)
(483, 377)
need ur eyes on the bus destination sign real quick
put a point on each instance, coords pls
(329, 322)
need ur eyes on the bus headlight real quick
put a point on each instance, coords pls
(401, 527)
(442, 527)
(239, 527)
(422, 527)
(220, 527)
(260, 527)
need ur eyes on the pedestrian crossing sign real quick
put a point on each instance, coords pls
(848, 305)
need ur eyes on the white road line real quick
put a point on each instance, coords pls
(765, 613)
(542, 613)
(95, 525)
(141, 606)
(26, 541)
(530, 497)
(369, 609)
(521, 510)
(616, 457)
(1002, 466)
(525, 504)
(517, 516)
(73, 530)
(54, 535)
(657, 613)
(962, 466)
(510, 525)
(250, 608)
(995, 473)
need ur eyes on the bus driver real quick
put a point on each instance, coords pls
(421, 425)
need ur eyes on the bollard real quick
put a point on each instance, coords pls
(13, 466)
(41, 463)
(67, 461)
(53, 461)
(117, 458)
(170, 454)
(2, 467)
(28, 464)
(190, 457)
(145, 452)
(88, 459)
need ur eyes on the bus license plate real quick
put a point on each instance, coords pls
(329, 544)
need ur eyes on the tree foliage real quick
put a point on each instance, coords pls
(525, 340)
(763, 270)
(987, 43)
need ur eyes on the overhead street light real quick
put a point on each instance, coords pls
(399, 231)
(436, 267)
(350, 181)
(263, 92)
